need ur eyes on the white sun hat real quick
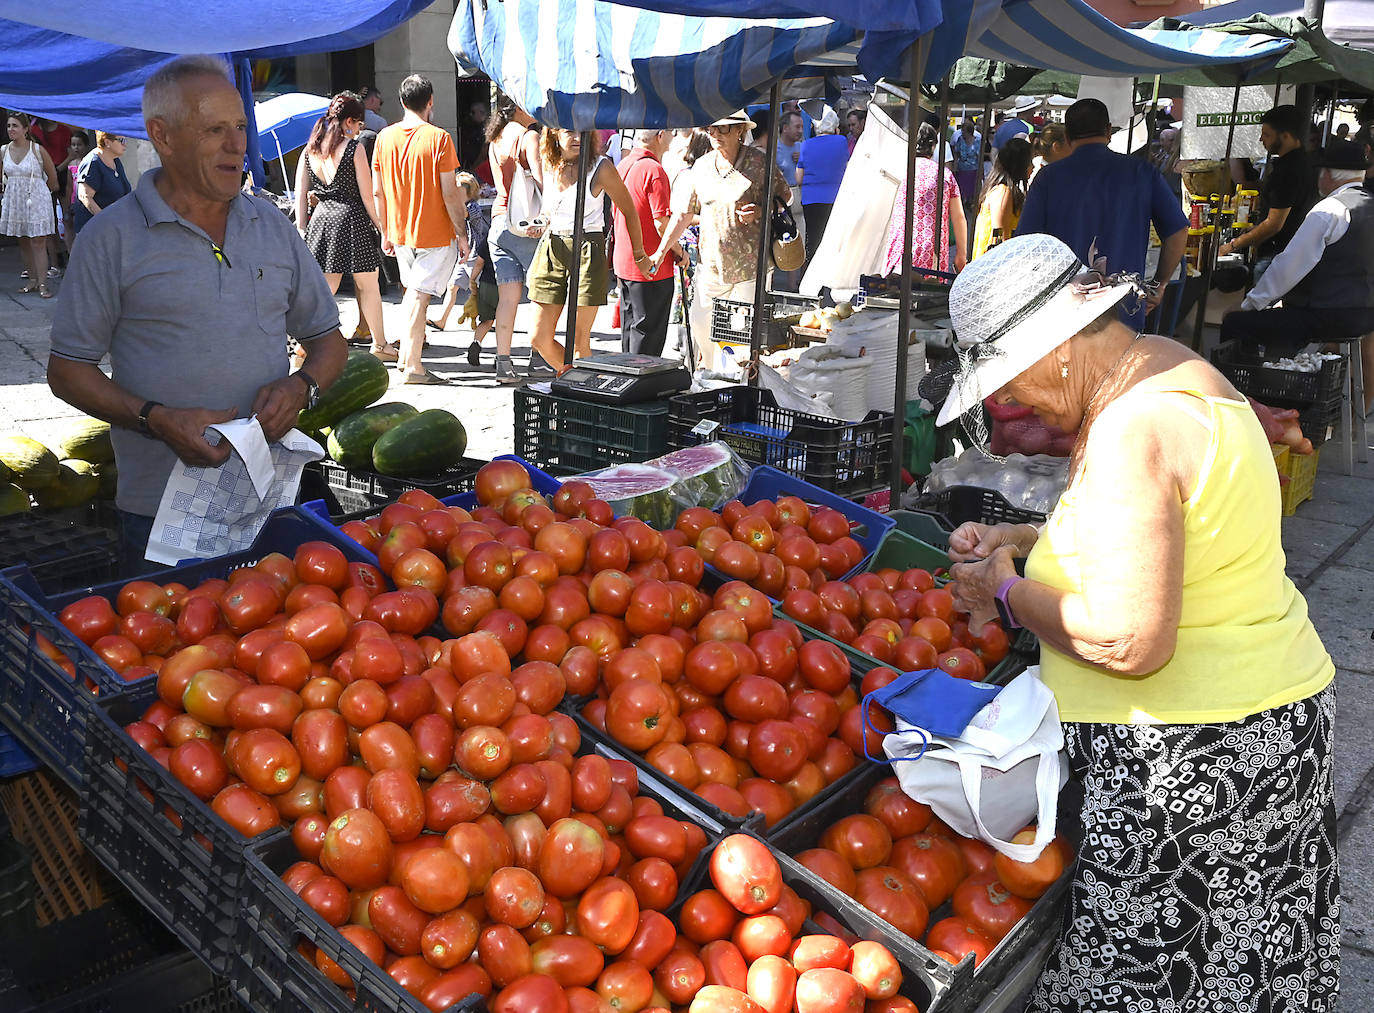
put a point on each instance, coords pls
(1013, 306)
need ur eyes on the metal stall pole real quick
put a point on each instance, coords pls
(1130, 118)
(941, 240)
(1210, 261)
(913, 119)
(575, 268)
(766, 236)
(1331, 114)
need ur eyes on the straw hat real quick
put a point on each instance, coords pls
(735, 119)
(1013, 306)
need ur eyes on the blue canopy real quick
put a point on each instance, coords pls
(285, 122)
(85, 61)
(643, 63)
(590, 64)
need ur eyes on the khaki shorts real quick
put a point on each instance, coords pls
(427, 269)
(548, 281)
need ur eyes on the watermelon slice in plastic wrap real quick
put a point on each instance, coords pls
(709, 475)
(638, 490)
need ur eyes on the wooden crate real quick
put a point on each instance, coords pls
(43, 816)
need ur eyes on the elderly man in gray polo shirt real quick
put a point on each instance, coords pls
(190, 287)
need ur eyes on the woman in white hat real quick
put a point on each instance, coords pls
(1196, 696)
(725, 189)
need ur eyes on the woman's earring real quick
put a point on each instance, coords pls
(1064, 371)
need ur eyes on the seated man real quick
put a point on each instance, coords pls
(1325, 275)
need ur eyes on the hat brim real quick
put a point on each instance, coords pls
(1035, 337)
(728, 122)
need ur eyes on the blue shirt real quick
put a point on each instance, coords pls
(1096, 197)
(1008, 130)
(109, 185)
(823, 159)
(968, 153)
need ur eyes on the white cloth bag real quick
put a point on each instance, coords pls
(1004, 770)
(524, 203)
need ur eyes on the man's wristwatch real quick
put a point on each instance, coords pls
(143, 413)
(312, 389)
(1004, 605)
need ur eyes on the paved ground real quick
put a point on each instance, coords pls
(1330, 547)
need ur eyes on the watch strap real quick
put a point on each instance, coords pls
(143, 413)
(312, 389)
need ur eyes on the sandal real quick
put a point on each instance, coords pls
(30, 287)
(387, 353)
(44, 292)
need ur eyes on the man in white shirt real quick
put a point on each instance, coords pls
(1325, 275)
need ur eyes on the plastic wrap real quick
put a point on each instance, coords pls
(657, 491)
(1029, 482)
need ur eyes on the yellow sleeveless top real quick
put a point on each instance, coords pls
(982, 228)
(1245, 643)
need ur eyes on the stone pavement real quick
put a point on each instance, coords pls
(1329, 543)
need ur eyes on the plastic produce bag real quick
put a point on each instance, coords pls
(657, 491)
(1029, 482)
(709, 475)
(637, 490)
(1016, 429)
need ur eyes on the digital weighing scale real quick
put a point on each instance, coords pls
(623, 378)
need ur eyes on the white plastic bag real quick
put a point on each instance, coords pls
(841, 373)
(1003, 772)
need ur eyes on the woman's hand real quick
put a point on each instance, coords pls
(971, 542)
(975, 585)
(746, 214)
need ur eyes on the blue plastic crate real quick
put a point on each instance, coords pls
(14, 758)
(317, 511)
(47, 709)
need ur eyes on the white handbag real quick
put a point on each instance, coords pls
(1001, 773)
(524, 202)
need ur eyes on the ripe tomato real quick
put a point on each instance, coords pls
(898, 811)
(958, 936)
(200, 766)
(636, 713)
(861, 840)
(875, 969)
(937, 602)
(608, 914)
(777, 749)
(813, 951)
(746, 874)
(680, 976)
(962, 663)
(829, 990)
(1029, 879)
(823, 666)
(570, 858)
(707, 915)
(532, 991)
(247, 604)
(895, 897)
(514, 897)
(357, 849)
(989, 906)
(934, 862)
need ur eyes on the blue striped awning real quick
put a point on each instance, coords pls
(589, 64)
(1069, 36)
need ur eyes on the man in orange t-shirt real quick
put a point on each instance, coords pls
(424, 218)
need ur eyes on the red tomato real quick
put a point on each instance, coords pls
(957, 936)
(706, 916)
(829, 990)
(875, 969)
(746, 874)
(962, 663)
(1029, 879)
(894, 897)
(934, 862)
(532, 991)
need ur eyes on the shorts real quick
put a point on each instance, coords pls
(487, 297)
(552, 261)
(427, 269)
(511, 255)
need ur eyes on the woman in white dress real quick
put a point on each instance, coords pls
(26, 211)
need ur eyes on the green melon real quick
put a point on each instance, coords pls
(13, 500)
(424, 445)
(77, 483)
(363, 381)
(32, 464)
(87, 440)
(351, 441)
(108, 475)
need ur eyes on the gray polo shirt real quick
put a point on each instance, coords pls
(182, 324)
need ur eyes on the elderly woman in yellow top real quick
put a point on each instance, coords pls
(1195, 694)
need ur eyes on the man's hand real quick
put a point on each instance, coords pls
(183, 429)
(1154, 295)
(277, 405)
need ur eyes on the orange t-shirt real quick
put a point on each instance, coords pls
(409, 161)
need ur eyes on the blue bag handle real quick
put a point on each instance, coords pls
(868, 726)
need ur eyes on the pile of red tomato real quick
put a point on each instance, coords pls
(902, 863)
(445, 819)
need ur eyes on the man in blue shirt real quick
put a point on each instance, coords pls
(1097, 200)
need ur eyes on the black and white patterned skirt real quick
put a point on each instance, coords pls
(1206, 879)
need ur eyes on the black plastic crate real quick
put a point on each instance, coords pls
(14, 758)
(927, 980)
(850, 459)
(1276, 387)
(17, 919)
(970, 986)
(275, 922)
(349, 490)
(59, 553)
(732, 320)
(961, 503)
(1316, 420)
(567, 436)
(169, 849)
(116, 958)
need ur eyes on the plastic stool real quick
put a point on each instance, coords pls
(1354, 426)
